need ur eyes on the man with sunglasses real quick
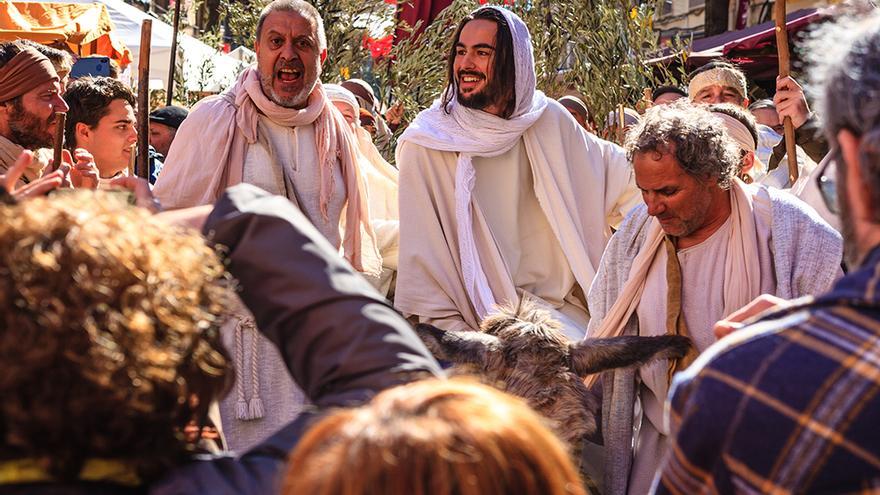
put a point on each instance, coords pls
(789, 403)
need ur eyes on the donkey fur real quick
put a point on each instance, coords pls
(524, 352)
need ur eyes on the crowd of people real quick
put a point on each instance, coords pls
(251, 318)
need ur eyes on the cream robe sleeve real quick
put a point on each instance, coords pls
(621, 193)
(429, 282)
(196, 169)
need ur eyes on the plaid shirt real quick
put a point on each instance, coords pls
(789, 404)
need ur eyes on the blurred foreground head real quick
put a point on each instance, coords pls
(845, 80)
(434, 437)
(109, 342)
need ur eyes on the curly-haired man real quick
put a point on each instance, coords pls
(110, 341)
(703, 245)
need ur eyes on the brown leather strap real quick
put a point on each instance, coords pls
(675, 324)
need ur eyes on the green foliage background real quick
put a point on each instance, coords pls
(598, 48)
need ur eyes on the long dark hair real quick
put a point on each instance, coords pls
(503, 81)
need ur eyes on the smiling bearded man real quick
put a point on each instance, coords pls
(276, 129)
(503, 196)
(703, 246)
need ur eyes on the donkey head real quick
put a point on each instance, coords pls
(523, 351)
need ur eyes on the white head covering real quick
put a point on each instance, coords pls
(336, 92)
(477, 133)
(740, 133)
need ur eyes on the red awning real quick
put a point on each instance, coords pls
(418, 10)
(753, 38)
(753, 48)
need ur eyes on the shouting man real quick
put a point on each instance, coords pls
(703, 246)
(276, 129)
(502, 194)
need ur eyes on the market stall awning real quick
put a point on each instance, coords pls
(85, 27)
(753, 48)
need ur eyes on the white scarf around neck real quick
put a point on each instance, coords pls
(477, 133)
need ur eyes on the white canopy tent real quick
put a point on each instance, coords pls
(204, 68)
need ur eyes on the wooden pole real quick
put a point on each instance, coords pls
(60, 119)
(784, 71)
(173, 65)
(621, 123)
(142, 166)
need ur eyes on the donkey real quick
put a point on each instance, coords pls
(523, 351)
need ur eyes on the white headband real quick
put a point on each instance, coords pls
(721, 76)
(738, 131)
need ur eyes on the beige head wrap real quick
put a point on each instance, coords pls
(27, 70)
(728, 77)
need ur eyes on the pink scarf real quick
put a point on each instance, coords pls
(333, 142)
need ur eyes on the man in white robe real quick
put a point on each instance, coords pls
(704, 245)
(502, 194)
(276, 129)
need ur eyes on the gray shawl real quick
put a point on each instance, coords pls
(806, 257)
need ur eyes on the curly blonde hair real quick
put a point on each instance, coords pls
(110, 340)
(440, 437)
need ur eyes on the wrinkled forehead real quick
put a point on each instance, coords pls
(724, 78)
(289, 23)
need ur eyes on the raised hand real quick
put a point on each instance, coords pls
(38, 187)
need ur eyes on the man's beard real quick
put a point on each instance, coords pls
(477, 100)
(851, 254)
(28, 130)
(298, 100)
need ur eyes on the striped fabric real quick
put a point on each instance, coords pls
(787, 405)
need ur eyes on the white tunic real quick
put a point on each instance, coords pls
(284, 161)
(505, 193)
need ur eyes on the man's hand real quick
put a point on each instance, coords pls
(39, 187)
(394, 114)
(143, 196)
(759, 305)
(84, 173)
(790, 101)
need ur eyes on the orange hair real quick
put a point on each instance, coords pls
(438, 437)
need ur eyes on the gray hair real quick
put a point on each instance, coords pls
(845, 81)
(696, 138)
(302, 8)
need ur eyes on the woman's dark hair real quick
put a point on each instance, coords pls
(501, 87)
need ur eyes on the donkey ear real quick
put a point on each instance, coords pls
(457, 347)
(594, 355)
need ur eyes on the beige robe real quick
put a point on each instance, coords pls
(530, 253)
(282, 162)
(381, 179)
(702, 270)
(582, 184)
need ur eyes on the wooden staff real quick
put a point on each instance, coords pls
(142, 166)
(171, 69)
(621, 123)
(60, 119)
(784, 70)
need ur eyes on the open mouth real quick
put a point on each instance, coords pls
(288, 75)
(469, 80)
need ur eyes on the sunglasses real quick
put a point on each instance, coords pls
(826, 180)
